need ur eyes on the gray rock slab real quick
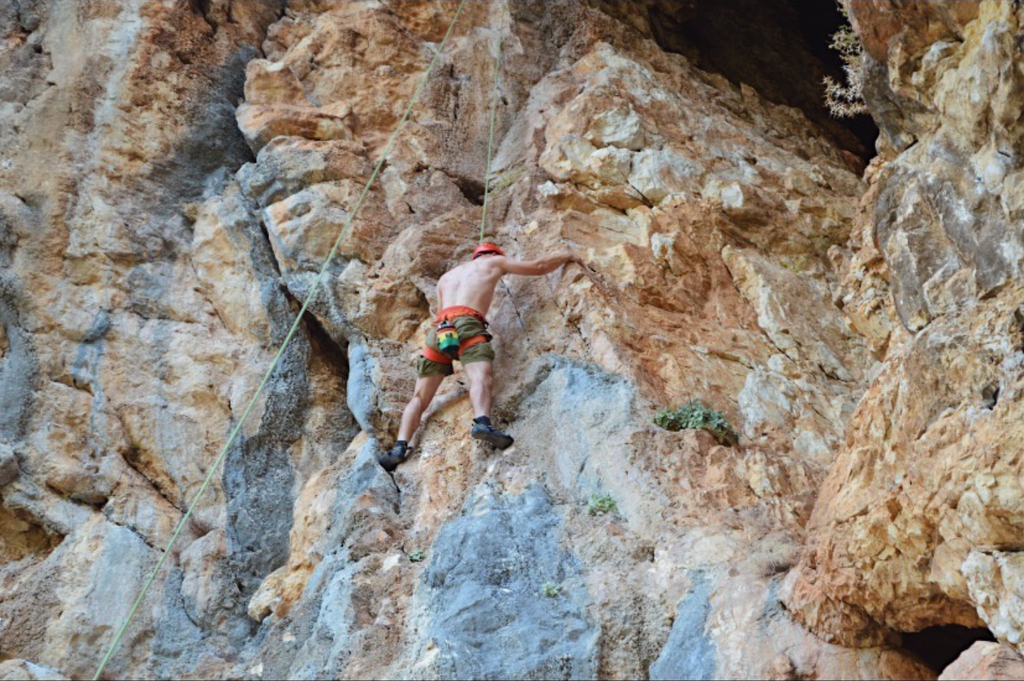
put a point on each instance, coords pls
(482, 612)
(689, 653)
(321, 624)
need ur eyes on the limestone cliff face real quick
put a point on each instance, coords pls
(172, 176)
(919, 521)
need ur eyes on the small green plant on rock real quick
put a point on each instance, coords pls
(600, 504)
(668, 419)
(417, 556)
(698, 416)
(549, 590)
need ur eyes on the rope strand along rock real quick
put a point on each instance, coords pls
(314, 289)
(490, 136)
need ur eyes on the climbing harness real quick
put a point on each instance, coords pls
(451, 313)
(449, 345)
(313, 290)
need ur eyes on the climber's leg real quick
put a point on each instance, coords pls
(480, 385)
(426, 388)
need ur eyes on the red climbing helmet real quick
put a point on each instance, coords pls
(487, 247)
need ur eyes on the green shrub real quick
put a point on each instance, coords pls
(549, 590)
(668, 419)
(698, 416)
(599, 504)
(417, 556)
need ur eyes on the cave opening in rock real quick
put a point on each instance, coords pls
(939, 646)
(780, 48)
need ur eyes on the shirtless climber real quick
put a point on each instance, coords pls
(464, 295)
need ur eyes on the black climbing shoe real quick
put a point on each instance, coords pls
(488, 433)
(398, 454)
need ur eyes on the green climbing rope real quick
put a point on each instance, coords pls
(314, 289)
(490, 136)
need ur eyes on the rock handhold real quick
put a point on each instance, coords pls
(23, 670)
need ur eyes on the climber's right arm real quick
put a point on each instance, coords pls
(538, 267)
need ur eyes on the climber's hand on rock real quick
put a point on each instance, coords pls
(581, 262)
(572, 257)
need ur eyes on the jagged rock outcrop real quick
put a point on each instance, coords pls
(117, 378)
(985, 661)
(173, 175)
(919, 520)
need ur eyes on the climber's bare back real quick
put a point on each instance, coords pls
(471, 284)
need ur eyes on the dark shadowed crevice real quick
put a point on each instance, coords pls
(471, 189)
(211, 143)
(780, 48)
(323, 345)
(259, 482)
(22, 536)
(939, 646)
(990, 395)
(202, 7)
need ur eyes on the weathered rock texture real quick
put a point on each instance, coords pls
(919, 523)
(173, 175)
(985, 661)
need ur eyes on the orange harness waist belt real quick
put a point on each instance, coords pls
(435, 356)
(449, 314)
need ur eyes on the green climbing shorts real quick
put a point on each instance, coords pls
(468, 327)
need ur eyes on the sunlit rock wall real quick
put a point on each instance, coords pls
(172, 176)
(919, 523)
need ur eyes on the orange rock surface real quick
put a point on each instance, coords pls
(172, 176)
